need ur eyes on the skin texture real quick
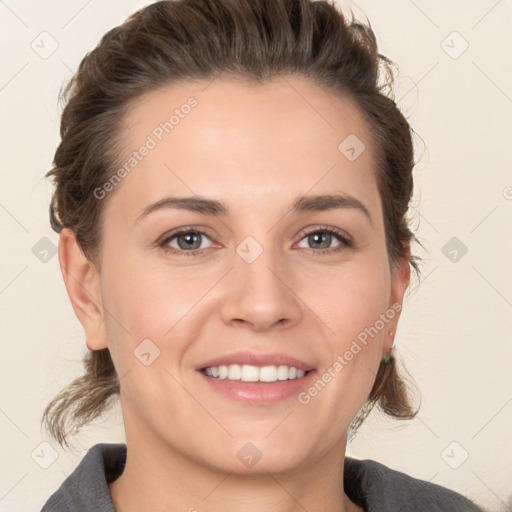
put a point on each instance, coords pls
(257, 148)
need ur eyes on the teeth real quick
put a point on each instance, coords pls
(250, 373)
(282, 372)
(268, 374)
(234, 372)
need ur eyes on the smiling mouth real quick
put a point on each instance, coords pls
(250, 373)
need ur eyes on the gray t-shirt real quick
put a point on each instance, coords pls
(368, 483)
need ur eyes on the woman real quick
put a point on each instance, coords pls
(231, 195)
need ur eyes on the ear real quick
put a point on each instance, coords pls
(83, 286)
(399, 282)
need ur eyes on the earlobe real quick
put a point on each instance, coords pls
(82, 283)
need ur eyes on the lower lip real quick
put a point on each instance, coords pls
(259, 392)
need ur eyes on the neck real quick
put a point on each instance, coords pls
(158, 478)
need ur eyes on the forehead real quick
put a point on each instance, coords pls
(244, 142)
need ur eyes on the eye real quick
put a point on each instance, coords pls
(323, 237)
(189, 241)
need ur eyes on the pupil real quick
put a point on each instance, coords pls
(189, 239)
(317, 238)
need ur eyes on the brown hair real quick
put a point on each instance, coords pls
(254, 40)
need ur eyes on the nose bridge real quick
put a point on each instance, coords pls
(259, 289)
(257, 267)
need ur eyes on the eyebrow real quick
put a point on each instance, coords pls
(310, 203)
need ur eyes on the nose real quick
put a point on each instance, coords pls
(260, 294)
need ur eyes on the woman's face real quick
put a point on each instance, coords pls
(271, 282)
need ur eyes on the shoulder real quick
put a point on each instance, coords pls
(86, 488)
(380, 488)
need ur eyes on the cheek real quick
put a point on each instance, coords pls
(144, 301)
(352, 304)
(145, 312)
(351, 298)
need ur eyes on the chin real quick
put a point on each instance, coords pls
(255, 455)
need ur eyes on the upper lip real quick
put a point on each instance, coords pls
(256, 359)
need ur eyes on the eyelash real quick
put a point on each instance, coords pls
(346, 241)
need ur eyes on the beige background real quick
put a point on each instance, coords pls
(454, 334)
